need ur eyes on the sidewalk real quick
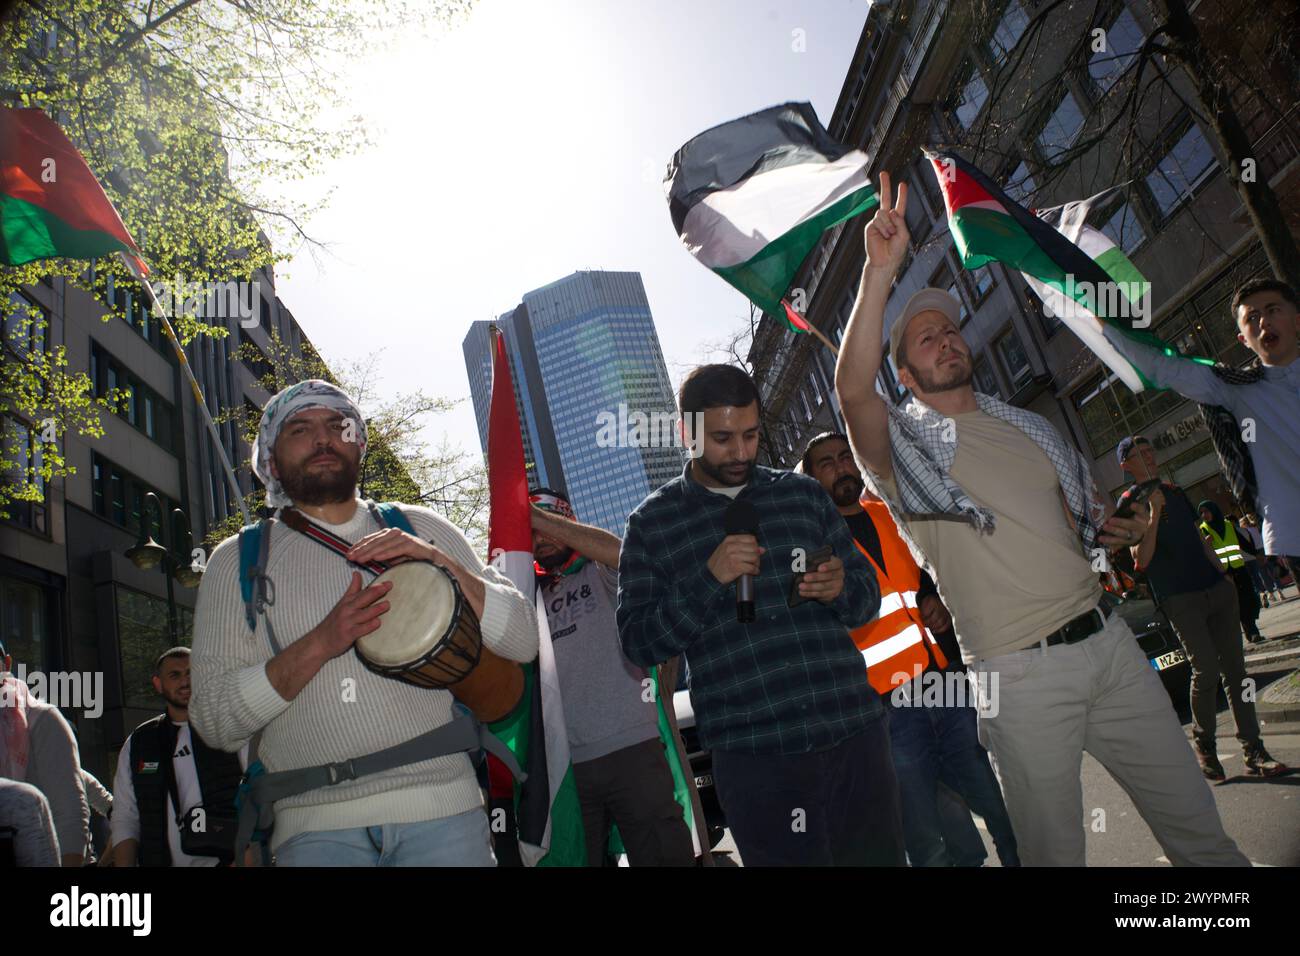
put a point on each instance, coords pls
(1280, 623)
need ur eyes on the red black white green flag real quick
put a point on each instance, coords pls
(547, 811)
(51, 205)
(1080, 273)
(751, 198)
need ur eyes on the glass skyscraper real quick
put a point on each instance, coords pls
(587, 367)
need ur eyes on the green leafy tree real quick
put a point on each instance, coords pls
(190, 113)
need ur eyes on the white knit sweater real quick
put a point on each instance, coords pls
(233, 698)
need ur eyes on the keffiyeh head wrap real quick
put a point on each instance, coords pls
(313, 393)
(556, 504)
(552, 501)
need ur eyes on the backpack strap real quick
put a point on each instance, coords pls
(257, 590)
(262, 790)
(391, 515)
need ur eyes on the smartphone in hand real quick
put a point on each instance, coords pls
(824, 553)
(1136, 494)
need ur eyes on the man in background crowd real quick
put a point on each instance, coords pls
(1186, 581)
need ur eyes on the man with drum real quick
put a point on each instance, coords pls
(618, 757)
(293, 681)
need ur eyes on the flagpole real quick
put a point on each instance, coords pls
(170, 333)
(825, 341)
(809, 327)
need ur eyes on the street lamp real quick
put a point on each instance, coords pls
(148, 554)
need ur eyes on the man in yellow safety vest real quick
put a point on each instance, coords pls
(1223, 537)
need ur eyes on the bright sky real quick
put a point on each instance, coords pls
(530, 143)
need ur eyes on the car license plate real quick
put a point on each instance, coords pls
(704, 780)
(1168, 660)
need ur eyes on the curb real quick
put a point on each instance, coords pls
(1273, 657)
(1283, 711)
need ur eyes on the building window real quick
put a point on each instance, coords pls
(1124, 38)
(1125, 229)
(1020, 186)
(1110, 411)
(25, 621)
(119, 497)
(1009, 30)
(144, 632)
(980, 283)
(944, 278)
(984, 380)
(142, 407)
(24, 326)
(1015, 363)
(1061, 129)
(974, 93)
(918, 221)
(1047, 319)
(22, 470)
(1181, 170)
(253, 357)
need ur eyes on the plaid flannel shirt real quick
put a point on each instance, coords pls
(790, 682)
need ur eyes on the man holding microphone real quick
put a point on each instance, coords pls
(801, 754)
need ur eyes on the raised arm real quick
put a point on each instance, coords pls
(589, 541)
(1187, 378)
(861, 352)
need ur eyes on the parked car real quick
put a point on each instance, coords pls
(1158, 640)
(701, 762)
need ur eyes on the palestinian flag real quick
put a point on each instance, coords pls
(547, 810)
(678, 767)
(50, 202)
(1081, 275)
(751, 198)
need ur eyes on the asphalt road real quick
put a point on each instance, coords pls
(1263, 816)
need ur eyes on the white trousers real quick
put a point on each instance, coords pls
(1099, 695)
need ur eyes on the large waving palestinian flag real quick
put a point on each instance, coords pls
(50, 202)
(1088, 282)
(750, 198)
(547, 810)
(1078, 271)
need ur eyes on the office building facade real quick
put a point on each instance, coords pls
(585, 359)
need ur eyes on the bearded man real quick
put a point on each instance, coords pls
(290, 678)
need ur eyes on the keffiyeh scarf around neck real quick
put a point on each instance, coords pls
(924, 445)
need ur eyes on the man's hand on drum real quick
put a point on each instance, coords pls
(356, 614)
(393, 546)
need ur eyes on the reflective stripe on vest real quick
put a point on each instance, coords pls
(896, 602)
(891, 646)
(896, 642)
(1226, 547)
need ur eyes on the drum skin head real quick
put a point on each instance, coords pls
(421, 604)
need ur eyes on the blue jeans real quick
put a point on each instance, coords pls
(461, 840)
(933, 744)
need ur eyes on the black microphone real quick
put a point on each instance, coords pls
(742, 518)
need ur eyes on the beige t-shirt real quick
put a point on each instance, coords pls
(1007, 589)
